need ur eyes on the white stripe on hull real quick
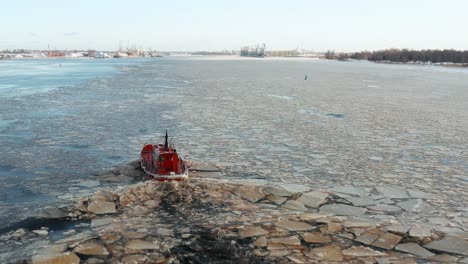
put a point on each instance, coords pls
(166, 177)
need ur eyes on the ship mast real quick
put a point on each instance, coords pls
(166, 144)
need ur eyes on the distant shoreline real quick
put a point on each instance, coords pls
(445, 64)
(211, 56)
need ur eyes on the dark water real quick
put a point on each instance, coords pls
(360, 123)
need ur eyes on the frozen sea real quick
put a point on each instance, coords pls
(349, 123)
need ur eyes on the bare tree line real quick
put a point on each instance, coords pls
(404, 56)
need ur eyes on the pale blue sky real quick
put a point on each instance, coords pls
(342, 25)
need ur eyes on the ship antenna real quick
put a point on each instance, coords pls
(166, 145)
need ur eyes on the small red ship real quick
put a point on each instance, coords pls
(162, 162)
